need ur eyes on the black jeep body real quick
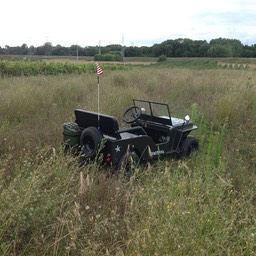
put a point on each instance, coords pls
(152, 133)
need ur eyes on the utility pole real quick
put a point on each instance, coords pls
(29, 49)
(122, 51)
(76, 51)
(99, 48)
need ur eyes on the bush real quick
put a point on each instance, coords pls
(110, 56)
(162, 58)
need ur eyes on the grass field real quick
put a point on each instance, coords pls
(204, 205)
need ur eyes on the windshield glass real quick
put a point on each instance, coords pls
(153, 108)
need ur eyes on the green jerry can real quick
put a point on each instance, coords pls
(71, 135)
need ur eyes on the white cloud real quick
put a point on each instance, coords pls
(141, 22)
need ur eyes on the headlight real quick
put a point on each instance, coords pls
(187, 118)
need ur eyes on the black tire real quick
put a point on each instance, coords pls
(127, 164)
(90, 140)
(189, 145)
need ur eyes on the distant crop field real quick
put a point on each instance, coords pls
(52, 204)
(70, 65)
(234, 63)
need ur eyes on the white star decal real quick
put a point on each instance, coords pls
(117, 149)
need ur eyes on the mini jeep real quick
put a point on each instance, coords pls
(153, 132)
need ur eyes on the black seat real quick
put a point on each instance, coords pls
(105, 123)
(108, 125)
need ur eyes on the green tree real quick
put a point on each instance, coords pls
(203, 48)
(75, 49)
(111, 48)
(133, 51)
(146, 51)
(157, 50)
(31, 50)
(24, 49)
(91, 50)
(249, 51)
(59, 50)
(45, 49)
(220, 51)
(233, 47)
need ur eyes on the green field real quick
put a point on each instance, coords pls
(204, 205)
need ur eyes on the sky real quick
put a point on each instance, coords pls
(125, 22)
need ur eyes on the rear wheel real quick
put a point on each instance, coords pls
(90, 140)
(189, 145)
(127, 164)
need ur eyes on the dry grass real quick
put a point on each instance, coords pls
(200, 206)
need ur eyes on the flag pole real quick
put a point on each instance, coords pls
(99, 72)
(98, 102)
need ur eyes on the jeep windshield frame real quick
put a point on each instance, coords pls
(154, 111)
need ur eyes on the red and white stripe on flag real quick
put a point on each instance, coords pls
(99, 70)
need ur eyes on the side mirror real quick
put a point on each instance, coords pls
(187, 118)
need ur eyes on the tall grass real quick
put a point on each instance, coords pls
(205, 205)
(170, 208)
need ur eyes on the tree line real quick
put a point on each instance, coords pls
(182, 47)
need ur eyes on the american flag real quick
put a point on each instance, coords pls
(99, 70)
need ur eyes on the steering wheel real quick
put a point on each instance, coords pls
(131, 115)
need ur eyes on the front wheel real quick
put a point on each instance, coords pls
(189, 145)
